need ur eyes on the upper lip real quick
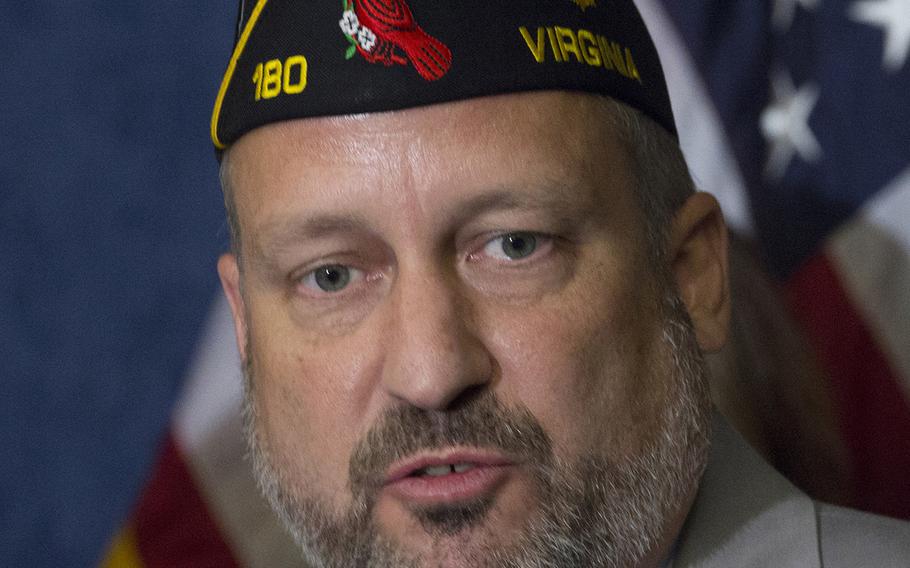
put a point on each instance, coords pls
(404, 468)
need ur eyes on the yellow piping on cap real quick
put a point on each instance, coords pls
(229, 74)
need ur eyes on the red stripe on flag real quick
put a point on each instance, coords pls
(873, 411)
(172, 523)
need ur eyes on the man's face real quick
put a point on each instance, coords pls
(459, 351)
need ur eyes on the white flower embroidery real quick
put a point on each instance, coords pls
(366, 38)
(349, 23)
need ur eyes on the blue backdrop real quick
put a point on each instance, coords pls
(110, 224)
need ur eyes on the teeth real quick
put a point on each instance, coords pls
(440, 470)
(437, 470)
(462, 467)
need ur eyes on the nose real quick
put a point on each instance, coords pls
(434, 357)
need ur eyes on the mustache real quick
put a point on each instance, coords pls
(482, 421)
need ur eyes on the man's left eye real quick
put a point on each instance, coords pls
(512, 246)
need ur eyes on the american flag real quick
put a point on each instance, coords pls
(797, 114)
(794, 112)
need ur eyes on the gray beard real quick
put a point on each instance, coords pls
(594, 512)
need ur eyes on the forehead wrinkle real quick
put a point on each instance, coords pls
(410, 156)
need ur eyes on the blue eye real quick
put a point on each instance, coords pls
(330, 278)
(512, 246)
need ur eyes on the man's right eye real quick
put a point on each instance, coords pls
(512, 246)
(331, 278)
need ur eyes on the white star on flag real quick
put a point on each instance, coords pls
(893, 16)
(785, 11)
(785, 124)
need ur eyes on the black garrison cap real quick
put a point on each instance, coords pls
(306, 58)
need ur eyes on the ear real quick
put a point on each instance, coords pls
(229, 273)
(698, 247)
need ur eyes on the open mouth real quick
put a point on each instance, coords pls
(456, 476)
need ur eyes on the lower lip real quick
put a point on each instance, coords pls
(451, 488)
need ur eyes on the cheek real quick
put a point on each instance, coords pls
(307, 414)
(582, 365)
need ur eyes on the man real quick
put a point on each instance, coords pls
(472, 284)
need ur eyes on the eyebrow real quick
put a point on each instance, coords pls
(286, 232)
(548, 195)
